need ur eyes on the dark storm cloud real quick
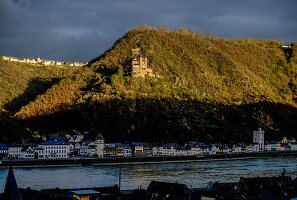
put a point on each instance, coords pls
(82, 30)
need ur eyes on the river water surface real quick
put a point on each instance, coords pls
(193, 174)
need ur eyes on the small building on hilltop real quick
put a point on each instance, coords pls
(139, 64)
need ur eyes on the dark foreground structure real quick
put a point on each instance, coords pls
(263, 188)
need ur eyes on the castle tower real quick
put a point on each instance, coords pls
(258, 137)
(99, 142)
(138, 63)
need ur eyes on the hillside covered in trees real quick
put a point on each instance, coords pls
(205, 88)
(21, 83)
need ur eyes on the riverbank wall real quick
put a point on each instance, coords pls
(138, 160)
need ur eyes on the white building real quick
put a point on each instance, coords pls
(195, 150)
(26, 153)
(255, 147)
(5, 58)
(171, 150)
(83, 148)
(99, 142)
(179, 152)
(77, 148)
(55, 149)
(227, 150)
(87, 148)
(159, 150)
(91, 150)
(127, 151)
(285, 141)
(58, 63)
(258, 137)
(38, 60)
(237, 149)
(47, 62)
(39, 152)
(213, 149)
(155, 151)
(71, 147)
(14, 150)
(165, 150)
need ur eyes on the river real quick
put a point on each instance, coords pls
(193, 174)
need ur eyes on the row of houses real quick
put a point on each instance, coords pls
(64, 146)
(190, 149)
(58, 149)
(81, 147)
(40, 61)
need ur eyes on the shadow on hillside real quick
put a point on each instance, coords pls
(36, 86)
(171, 120)
(12, 131)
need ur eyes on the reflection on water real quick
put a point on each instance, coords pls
(194, 174)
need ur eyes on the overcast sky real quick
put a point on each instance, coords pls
(79, 30)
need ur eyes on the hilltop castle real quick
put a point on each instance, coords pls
(139, 64)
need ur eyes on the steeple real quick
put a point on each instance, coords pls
(11, 191)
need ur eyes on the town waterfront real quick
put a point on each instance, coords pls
(193, 174)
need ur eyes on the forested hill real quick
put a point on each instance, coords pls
(206, 88)
(21, 83)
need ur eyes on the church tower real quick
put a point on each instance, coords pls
(258, 137)
(99, 142)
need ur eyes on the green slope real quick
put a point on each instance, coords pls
(213, 69)
(207, 88)
(21, 82)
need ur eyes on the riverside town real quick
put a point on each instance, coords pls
(148, 100)
(65, 146)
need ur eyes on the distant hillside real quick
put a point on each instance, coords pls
(208, 88)
(20, 83)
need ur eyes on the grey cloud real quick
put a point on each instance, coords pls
(82, 30)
